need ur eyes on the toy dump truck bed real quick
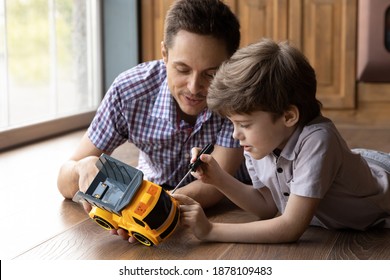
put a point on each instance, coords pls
(114, 186)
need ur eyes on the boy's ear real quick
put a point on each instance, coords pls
(164, 52)
(291, 116)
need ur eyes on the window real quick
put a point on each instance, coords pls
(50, 64)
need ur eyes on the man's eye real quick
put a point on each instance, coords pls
(182, 70)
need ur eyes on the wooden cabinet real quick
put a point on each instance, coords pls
(329, 41)
(325, 30)
(152, 27)
(262, 18)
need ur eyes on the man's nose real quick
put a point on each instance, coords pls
(195, 83)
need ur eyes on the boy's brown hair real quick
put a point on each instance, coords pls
(265, 76)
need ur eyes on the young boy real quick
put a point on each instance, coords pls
(303, 172)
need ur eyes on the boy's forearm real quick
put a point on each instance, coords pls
(244, 196)
(288, 227)
(268, 231)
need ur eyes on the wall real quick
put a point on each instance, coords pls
(120, 25)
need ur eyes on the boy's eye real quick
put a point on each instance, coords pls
(210, 75)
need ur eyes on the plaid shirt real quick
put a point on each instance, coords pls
(139, 108)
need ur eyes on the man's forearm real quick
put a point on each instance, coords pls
(206, 195)
(67, 181)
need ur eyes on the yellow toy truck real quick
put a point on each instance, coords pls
(120, 198)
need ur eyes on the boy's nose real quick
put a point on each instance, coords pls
(237, 134)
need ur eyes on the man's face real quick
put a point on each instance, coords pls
(191, 65)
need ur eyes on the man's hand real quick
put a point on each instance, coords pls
(123, 233)
(87, 171)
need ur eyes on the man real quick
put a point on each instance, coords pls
(160, 106)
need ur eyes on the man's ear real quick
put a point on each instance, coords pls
(291, 116)
(164, 52)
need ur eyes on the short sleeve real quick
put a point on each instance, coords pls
(319, 157)
(108, 129)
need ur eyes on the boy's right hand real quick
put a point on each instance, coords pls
(209, 172)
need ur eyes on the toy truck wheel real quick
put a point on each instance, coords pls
(142, 239)
(103, 223)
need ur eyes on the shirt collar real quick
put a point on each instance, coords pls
(164, 106)
(288, 150)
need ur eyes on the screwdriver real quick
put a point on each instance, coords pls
(208, 149)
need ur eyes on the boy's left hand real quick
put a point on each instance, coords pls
(193, 216)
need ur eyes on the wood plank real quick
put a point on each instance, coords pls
(39, 224)
(315, 244)
(87, 240)
(32, 208)
(368, 138)
(373, 244)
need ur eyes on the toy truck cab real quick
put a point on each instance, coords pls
(120, 198)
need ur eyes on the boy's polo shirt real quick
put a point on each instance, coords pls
(316, 162)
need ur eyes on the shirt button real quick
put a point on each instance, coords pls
(187, 155)
(279, 170)
(286, 194)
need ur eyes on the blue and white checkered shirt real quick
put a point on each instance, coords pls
(139, 108)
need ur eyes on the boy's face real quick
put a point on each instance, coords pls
(259, 133)
(191, 64)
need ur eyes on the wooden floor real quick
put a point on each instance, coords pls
(37, 223)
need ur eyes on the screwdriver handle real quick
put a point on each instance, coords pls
(208, 149)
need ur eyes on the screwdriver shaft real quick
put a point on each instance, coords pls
(193, 166)
(181, 182)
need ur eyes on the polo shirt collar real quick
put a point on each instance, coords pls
(288, 151)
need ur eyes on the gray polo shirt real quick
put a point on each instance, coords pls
(316, 162)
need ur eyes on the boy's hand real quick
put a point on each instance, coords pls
(193, 216)
(209, 172)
